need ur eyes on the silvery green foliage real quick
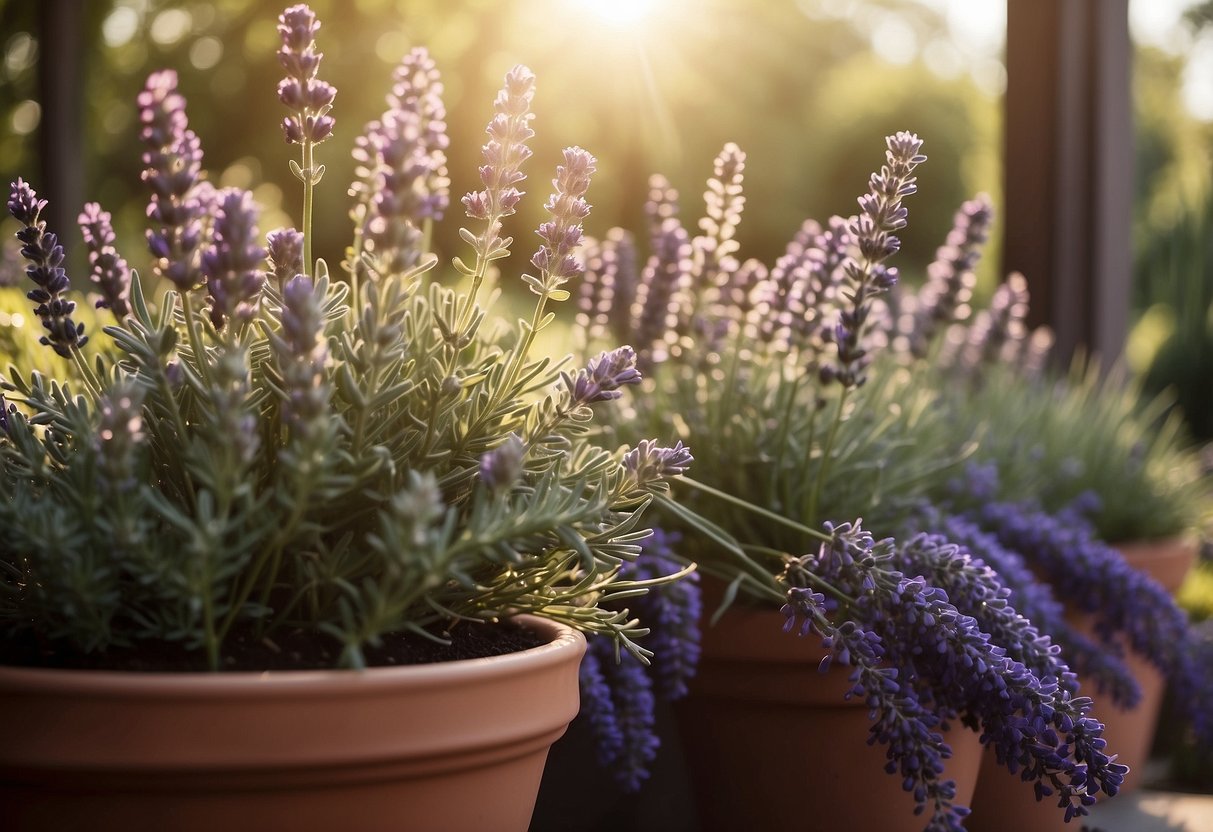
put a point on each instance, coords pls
(351, 458)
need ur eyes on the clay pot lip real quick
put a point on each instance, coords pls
(564, 643)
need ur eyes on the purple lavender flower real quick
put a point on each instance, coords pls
(608, 288)
(172, 169)
(119, 432)
(999, 332)
(671, 612)
(418, 89)
(945, 296)
(649, 464)
(724, 202)
(231, 264)
(41, 248)
(502, 467)
(664, 283)
(506, 150)
(617, 697)
(110, 273)
(285, 247)
(308, 98)
(1125, 602)
(602, 377)
(561, 234)
(302, 355)
(952, 664)
(880, 214)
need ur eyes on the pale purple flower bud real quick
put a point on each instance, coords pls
(501, 467)
(110, 273)
(232, 263)
(649, 464)
(602, 377)
(45, 256)
(285, 246)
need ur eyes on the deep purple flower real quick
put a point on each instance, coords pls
(506, 150)
(671, 611)
(308, 98)
(232, 263)
(45, 256)
(285, 247)
(617, 698)
(110, 273)
(172, 161)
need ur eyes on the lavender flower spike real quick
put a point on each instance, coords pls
(172, 170)
(506, 149)
(109, 273)
(649, 464)
(308, 98)
(562, 233)
(231, 264)
(302, 354)
(41, 248)
(602, 377)
(285, 254)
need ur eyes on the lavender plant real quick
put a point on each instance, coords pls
(769, 373)
(270, 451)
(1101, 463)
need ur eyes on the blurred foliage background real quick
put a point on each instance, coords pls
(807, 87)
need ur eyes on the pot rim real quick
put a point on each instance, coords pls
(271, 683)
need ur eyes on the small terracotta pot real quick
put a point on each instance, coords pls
(772, 744)
(1002, 803)
(455, 746)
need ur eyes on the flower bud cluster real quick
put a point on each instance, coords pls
(602, 377)
(109, 271)
(44, 254)
(231, 264)
(506, 149)
(561, 234)
(309, 98)
(172, 161)
(302, 354)
(285, 252)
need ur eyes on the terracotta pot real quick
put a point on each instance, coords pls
(453, 746)
(1004, 804)
(772, 744)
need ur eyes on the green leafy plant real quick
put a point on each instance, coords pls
(272, 451)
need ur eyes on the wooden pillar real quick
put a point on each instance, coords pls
(1069, 167)
(61, 144)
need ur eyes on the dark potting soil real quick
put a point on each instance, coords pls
(283, 650)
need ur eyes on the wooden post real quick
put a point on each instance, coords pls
(61, 143)
(1069, 167)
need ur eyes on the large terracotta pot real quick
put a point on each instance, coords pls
(457, 746)
(1001, 804)
(772, 744)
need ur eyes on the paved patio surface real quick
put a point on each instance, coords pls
(1154, 811)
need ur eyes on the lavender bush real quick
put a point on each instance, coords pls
(768, 371)
(270, 449)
